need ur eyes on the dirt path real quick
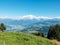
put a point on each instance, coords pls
(55, 41)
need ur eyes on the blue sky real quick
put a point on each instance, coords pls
(49, 8)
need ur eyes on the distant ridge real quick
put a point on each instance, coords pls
(28, 17)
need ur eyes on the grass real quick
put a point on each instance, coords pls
(55, 41)
(18, 38)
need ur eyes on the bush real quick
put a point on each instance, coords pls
(39, 34)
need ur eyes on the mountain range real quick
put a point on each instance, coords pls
(29, 24)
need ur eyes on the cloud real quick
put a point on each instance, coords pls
(26, 17)
(57, 17)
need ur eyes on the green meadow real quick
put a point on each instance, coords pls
(18, 38)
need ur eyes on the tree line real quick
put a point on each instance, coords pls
(53, 33)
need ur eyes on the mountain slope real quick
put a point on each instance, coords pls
(29, 25)
(17, 38)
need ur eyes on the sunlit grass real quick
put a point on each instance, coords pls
(18, 38)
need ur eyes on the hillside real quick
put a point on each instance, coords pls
(55, 41)
(15, 38)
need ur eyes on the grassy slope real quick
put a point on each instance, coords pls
(55, 41)
(15, 38)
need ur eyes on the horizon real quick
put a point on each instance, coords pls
(30, 17)
(45, 8)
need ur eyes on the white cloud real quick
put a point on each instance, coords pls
(27, 17)
(57, 17)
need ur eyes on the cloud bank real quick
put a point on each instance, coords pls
(31, 17)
